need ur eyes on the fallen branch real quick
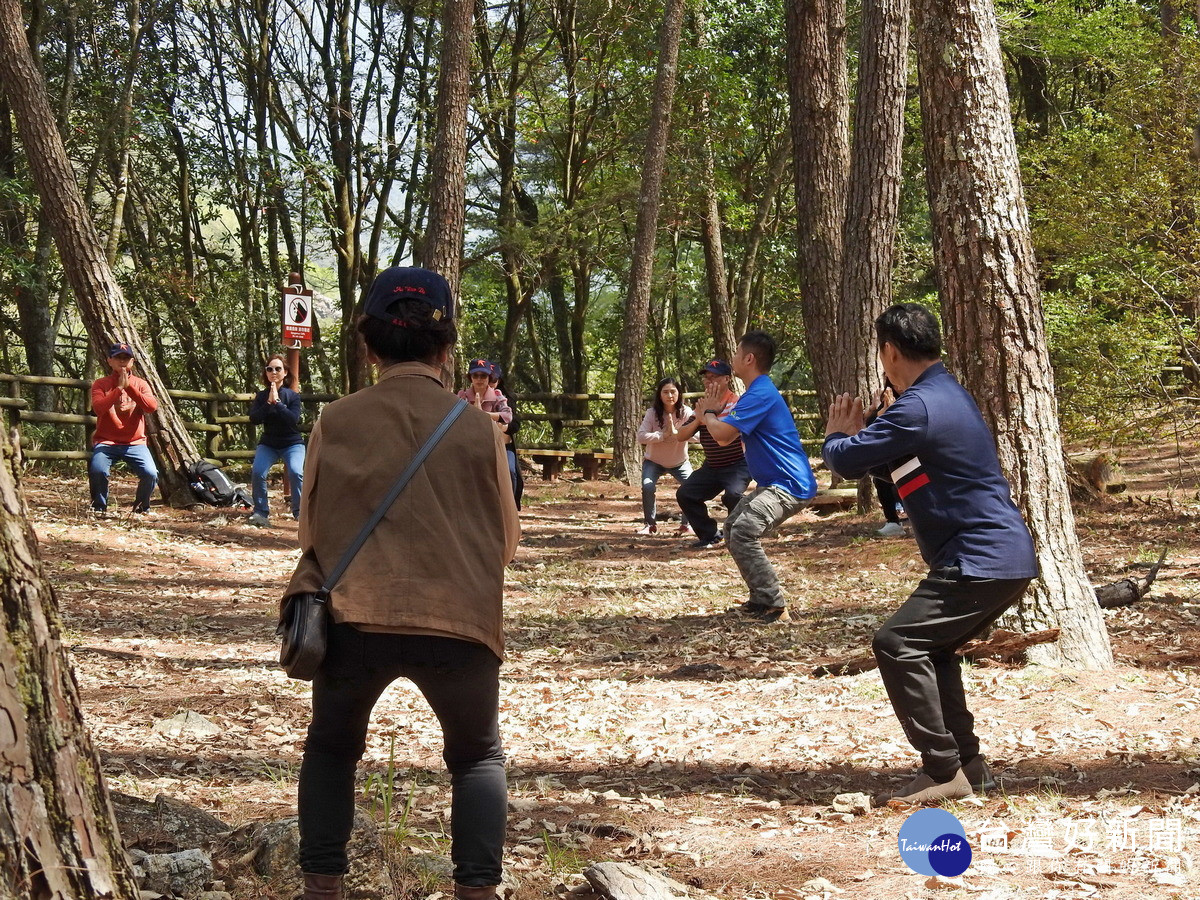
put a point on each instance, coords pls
(1007, 646)
(1128, 591)
(1002, 645)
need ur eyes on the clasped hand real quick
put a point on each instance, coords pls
(845, 416)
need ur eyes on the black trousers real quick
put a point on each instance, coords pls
(704, 484)
(888, 498)
(923, 675)
(460, 680)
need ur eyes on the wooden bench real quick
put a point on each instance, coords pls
(591, 461)
(551, 461)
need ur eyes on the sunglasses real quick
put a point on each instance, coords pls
(274, 368)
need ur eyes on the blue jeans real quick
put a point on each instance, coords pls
(264, 458)
(137, 457)
(651, 472)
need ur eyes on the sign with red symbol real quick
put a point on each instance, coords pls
(297, 316)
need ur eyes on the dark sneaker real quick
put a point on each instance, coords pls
(924, 790)
(750, 608)
(979, 775)
(772, 615)
(705, 543)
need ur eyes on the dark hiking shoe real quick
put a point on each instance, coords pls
(462, 892)
(322, 887)
(774, 615)
(705, 543)
(979, 775)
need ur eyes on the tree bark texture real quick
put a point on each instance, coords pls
(627, 407)
(58, 837)
(818, 85)
(873, 205)
(720, 312)
(448, 165)
(105, 312)
(992, 308)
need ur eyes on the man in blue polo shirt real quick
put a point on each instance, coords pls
(777, 462)
(942, 458)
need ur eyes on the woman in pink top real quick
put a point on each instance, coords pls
(666, 449)
(482, 395)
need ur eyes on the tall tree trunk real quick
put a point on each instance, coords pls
(873, 205)
(992, 306)
(105, 313)
(720, 312)
(448, 166)
(627, 407)
(818, 86)
(58, 837)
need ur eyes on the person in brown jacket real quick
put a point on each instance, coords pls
(422, 599)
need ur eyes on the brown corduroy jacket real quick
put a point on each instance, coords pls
(435, 563)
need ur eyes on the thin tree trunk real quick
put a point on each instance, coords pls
(748, 271)
(720, 313)
(992, 307)
(105, 313)
(818, 85)
(627, 407)
(57, 830)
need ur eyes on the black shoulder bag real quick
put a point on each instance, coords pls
(305, 617)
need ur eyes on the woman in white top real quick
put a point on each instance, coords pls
(666, 449)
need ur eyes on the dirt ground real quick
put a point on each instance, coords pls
(645, 723)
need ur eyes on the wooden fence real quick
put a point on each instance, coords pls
(551, 421)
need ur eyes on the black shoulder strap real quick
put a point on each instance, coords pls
(380, 511)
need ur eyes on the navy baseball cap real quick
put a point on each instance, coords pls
(497, 372)
(480, 365)
(121, 349)
(408, 283)
(717, 367)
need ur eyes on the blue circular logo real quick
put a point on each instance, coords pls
(933, 842)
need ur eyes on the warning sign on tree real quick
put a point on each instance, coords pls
(297, 316)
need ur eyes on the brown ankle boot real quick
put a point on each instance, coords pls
(462, 892)
(322, 887)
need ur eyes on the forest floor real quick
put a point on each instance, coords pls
(645, 723)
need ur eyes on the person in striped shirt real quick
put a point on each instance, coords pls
(724, 470)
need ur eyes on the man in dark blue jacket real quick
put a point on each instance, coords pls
(942, 458)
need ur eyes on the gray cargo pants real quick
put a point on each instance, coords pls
(760, 511)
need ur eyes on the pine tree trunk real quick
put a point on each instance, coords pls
(627, 407)
(448, 164)
(818, 85)
(58, 838)
(105, 313)
(873, 207)
(992, 306)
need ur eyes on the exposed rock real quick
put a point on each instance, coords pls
(272, 848)
(186, 724)
(855, 804)
(165, 824)
(623, 881)
(184, 874)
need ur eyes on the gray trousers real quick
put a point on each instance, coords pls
(760, 511)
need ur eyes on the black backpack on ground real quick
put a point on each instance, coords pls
(213, 486)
